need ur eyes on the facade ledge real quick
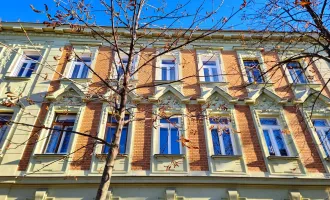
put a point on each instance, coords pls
(309, 85)
(226, 156)
(283, 157)
(168, 82)
(17, 78)
(213, 84)
(170, 155)
(104, 156)
(45, 155)
(78, 80)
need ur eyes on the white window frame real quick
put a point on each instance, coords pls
(117, 63)
(169, 126)
(252, 55)
(24, 59)
(327, 142)
(210, 56)
(175, 55)
(81, 64)
(296, 80)
(270, 129)
(222, 147)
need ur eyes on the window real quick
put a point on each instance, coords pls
(322, 129)
(4, 118)
(253, 71)
(80, 67)
(169, 136)
(168, 68)
(111, 131)
(273, 136)
(120, 69)
(296, 72)
(221, 136)
(59, 138)
(26, 65)
(210, 70)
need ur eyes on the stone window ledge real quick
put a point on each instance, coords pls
(168, 82)
(104, 156)
(209, 83)
(226, 156)
(79, 80)
(304, 85)
(259, 85)
(283, 158)
(17, 78)
(169, 155)
(45, 155)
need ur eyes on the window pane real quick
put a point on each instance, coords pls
(210, 63)
(109, 136)
(293, 75)
(257, 75)
(168, 62)
(33, 57)
(206, 75)
(268, 121)
(163, 143)
(66, 140)
(301, 76)
(84, 72)
(323, 142)
(54, 139)
(30, 69)
(75, 71)
(171, 120)
(215, 75)
(164, 73)
(227, 142)
(66, 118)
(280, 142)
(320, 123)
(175, 144)
(218, 121)
(3, 132)
(123, 140)
(269, 143)
(216, 143)
(21, 71)
(172, 73)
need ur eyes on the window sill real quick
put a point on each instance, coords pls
(45, 155)
(222, 83)
(169, 82)
(79, 80)
(17, 78)
(226, 156)
(259, 85)
(283, 158)
(170, 155)
(303, 85)
(103, 155)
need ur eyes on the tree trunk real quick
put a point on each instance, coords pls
(112, 154)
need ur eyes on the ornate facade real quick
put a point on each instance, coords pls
(236, 131)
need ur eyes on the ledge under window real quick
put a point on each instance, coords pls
(327, 159)
(17, 78)
(303, 85)
(220, 83)
(226, 156)
(283, 157)
(104, 155)
(170, 155)
(80, 80)
(168, 81)
(50, 155)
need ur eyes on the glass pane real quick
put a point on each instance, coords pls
(120, 71)
(112, 119)
(292, 65)
(207, 75)
(301, 76)
(84, 72)
(164, 73)
(280, 142)
(215, 75)
(32, 57)
(171, 120)
(54, 139)
(109, 136)
(210, 63)
(75, 71)
(172, 73)
(123, 140)
(66, 140)
(293, 75)
(269, 143)
(3, 132)
(216, 143)
(323, 142)
(257, 75)
(218, 121)
(227, 142)
(21, 71)
(4, 118)
(249, 75)
(268, 121)
(163, 143)
(168, 62)
(175, 144)
(30, 69)
(320, 123)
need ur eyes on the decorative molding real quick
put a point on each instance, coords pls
(41, 194)
(295, 196)
(233, 195)
(170, 194)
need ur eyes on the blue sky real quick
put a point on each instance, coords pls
(14, 10)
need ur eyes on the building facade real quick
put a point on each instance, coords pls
(264, 135)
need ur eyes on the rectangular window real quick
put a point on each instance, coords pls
(168, 68)
(80, 67)
(26, 65)
(59, 138)
(221, 136)
(112, 124)
(322, 129)
(296, 72)
(120, 69)
(253, 71)
(274, 137)
(169, 136)
(4, 119)
(211, 71)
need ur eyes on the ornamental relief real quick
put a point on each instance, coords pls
(266, 104)
(69, 99)
(216, 103)
(5, 57)
(169, 102)
(316, 105)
